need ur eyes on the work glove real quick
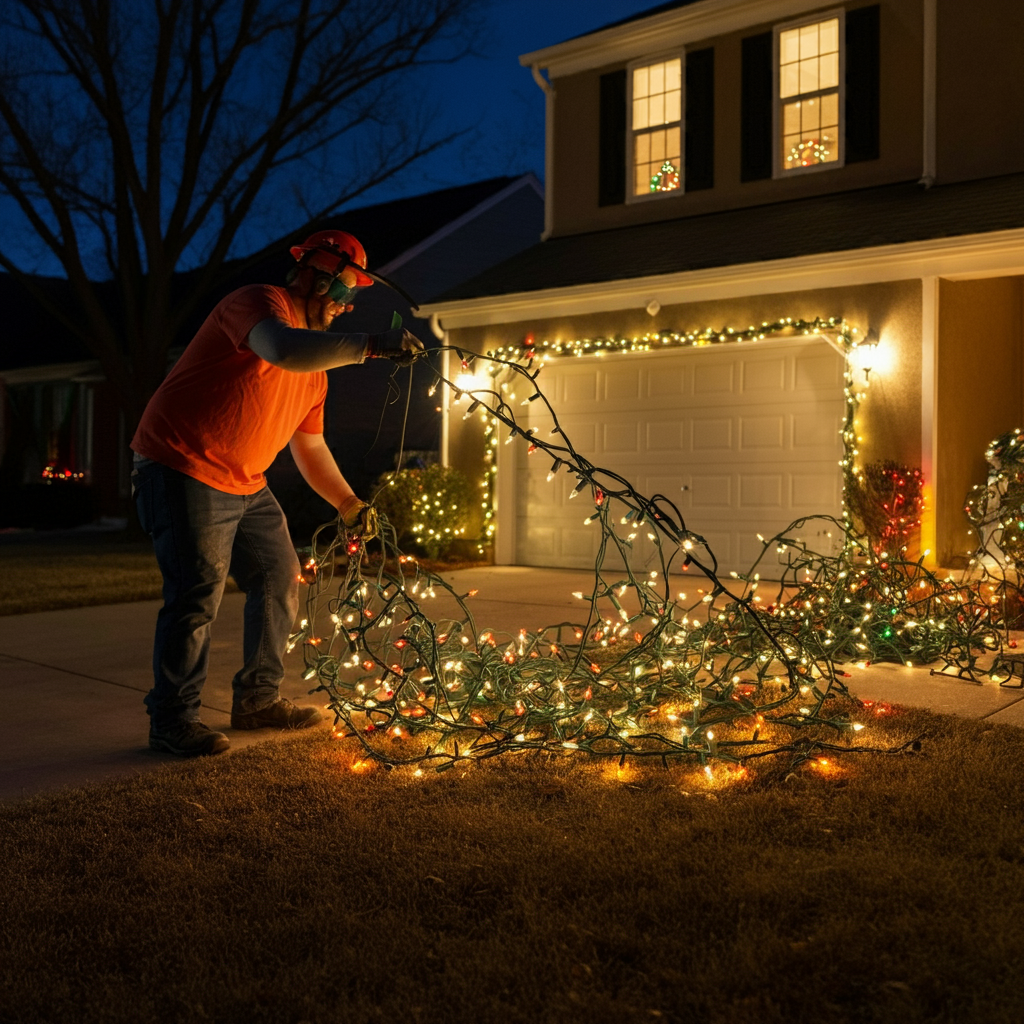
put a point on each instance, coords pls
(397, 344)
(358, 518)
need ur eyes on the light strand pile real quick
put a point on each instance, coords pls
(728, 674)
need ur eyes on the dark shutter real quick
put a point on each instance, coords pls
(700, 120)
(611, 177)
(756, 108)
(862, 84)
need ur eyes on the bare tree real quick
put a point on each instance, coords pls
(140, 138)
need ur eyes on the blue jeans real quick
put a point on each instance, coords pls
(200, 536)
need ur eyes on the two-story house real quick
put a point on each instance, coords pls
(724, 163)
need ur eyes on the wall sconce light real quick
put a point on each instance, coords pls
(865, 355)
(653, 307)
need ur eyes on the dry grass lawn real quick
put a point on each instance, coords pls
(277, 884)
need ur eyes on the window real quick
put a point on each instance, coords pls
(808, 77)
(656, 109)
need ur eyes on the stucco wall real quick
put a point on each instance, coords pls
(576, 134)
(890, 420)
(979, 394)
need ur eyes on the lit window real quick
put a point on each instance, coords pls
(656, 127)
(809, 94)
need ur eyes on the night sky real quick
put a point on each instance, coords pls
(497, 98)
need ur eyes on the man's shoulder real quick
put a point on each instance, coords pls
(259, 300)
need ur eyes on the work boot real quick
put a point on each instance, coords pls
(187, 739)
(282, 714)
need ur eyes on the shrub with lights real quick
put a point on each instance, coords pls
(727, 670)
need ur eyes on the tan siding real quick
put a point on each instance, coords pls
(980, 124)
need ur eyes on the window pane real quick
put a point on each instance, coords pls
(657, 80)
(809, 75)
(657, 147)
(809, 117)
(830, 108)
(657, 109)
(791, 151)
(791, 119)
(673, 74)
(808, 41)
(640, 119)
(829, 71)
(672, 148)
(789, 46)
(789, 80)
(828, 36)
(642, 154)
(673, 109)
(829, 146)
(642, 180)
(640, 83)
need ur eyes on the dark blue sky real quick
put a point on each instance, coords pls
(498, 97)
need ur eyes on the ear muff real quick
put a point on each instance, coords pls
(322, 285)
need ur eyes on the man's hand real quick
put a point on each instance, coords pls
(397, 344)
(358, 518)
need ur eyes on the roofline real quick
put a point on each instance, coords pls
(527, 179)
(622, 43)
(962, 257)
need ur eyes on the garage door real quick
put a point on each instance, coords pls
(745, 438)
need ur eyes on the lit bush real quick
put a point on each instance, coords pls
(431, 506)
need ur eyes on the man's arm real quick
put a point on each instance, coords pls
(319, 470)
(301, 350)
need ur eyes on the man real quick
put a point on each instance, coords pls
(252, 380)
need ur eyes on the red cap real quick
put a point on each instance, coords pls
(326, 249)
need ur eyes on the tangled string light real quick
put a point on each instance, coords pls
(740, 669)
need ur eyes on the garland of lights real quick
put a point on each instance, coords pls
(724, 676)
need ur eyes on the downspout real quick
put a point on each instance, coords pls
(549, 149)
(931, 34)
(442, 336)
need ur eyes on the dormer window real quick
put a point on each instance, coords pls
(808, 91)
(656, 114)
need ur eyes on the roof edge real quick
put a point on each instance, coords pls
(624, 42)
(523, 181)
(961, 257)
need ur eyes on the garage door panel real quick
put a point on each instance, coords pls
(761, 432)
(764, 375)
(711, 491)
(623, 382)
(713, 379)
(711, 434)
(665, 436)
(580, 386)
(621, 437)
(669, 383)
(761, 490)
(815, 430)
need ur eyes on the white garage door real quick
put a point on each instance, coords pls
(745, 438)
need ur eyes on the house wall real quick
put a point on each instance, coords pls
(575, 172)
(979, 393)
(890, 417)
(980, 122)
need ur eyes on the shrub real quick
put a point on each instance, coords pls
(886, 503)
(430, 506)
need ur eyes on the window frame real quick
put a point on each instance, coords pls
(643, 62)
(778, 170)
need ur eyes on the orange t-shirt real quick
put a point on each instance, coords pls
(222, 414)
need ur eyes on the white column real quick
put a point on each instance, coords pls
(929, 408)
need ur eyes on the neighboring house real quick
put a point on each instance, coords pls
(723, 163)
(57, 410)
